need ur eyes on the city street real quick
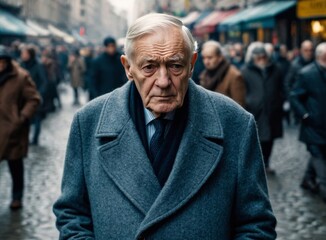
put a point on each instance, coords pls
(300, 214)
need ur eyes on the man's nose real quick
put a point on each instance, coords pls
(163, 79)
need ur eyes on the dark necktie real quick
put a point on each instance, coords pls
(158, 137)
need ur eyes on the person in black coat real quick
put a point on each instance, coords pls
(38, 74)
(306, 57)
(264, 97)
(308, 99)
(107, 72)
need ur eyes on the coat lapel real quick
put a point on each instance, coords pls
(199, 154)
(122, 154)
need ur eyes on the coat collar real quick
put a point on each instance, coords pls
(125, 160)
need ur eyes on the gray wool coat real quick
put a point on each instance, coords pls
(216, 190)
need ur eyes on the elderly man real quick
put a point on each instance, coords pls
(264, 98)
(306, 57)
(308, 99)
(162, 158)
(219, 75)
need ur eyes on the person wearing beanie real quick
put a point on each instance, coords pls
(19, 101)
(107, 72)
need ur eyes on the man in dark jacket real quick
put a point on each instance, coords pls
(107, 72)
(38, 75)
(306, 57)
(308, 99)
(264, 97)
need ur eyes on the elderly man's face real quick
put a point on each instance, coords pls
(161, 67)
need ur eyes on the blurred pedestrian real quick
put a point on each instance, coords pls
(19, 100)
(37, 72)
(264, 98)
(107, 72)
(306, 57)
(87, 54)
(238, 58)
(308, 99)
(76, 67)
(280, 58)
(63, 58)
(161, 157)
(51, 99)
(219, 75)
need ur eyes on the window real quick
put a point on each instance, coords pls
(82, 12)
(82, 2)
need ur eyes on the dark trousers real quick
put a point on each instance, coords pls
(36, 122)
(76, 95)
(317, 166)
(16, 168)
(266, 147)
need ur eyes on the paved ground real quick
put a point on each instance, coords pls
(300, 215)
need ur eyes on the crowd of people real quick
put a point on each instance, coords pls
(267, 80)
(274, 84)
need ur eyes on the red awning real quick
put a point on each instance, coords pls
(208, 24)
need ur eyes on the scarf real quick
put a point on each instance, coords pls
(210, 79)
(166, 155)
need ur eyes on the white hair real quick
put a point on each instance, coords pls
(153, 23)
(320, 49)
(252, 46)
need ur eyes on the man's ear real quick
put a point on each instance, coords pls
(126, 65)
(193, 61)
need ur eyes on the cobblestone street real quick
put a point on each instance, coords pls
(300, 214)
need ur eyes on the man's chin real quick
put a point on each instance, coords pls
(163, 108)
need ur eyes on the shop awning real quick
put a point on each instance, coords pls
(191, 17)
(262, 15)
(42, 32)
(208, 24)
(11, 25)
(61, 34)
(200, 17)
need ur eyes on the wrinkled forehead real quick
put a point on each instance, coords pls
(161, 43)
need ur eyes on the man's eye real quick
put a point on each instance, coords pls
(176, 67)
(149, 68)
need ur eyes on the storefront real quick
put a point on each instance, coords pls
(207, 28)
(266, 22)
(312, 24)
(12, 28)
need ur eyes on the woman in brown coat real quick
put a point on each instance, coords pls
(19, 100)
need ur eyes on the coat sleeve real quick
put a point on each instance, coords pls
(290, 78)
(297, 95)
(31, 98)
(72, 209)
(254, 218)
(238, 90)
